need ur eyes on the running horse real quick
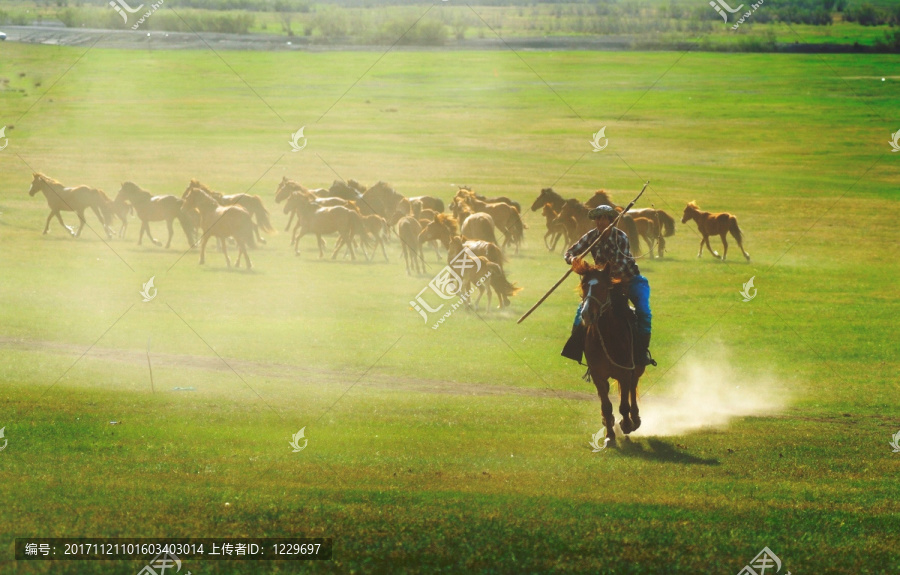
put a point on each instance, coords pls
(152, 208)
(63, 199)
(714, 224)
(609, 345)
(222, 222)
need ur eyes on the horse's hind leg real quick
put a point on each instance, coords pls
(106, 228)
(700, 253)
(743, 251)
(81, 221)
(662, 246)
(225, 251)
(724, 235)
(171, 233)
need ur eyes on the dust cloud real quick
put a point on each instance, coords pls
(707, 392)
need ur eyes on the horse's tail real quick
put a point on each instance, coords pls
(186, 223)
(668, 223)
(517, 228)
(262, 215)
(248, 231)
(630, 229)
(735, 230)
(502, 285)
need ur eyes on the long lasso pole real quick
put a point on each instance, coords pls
(585, 252)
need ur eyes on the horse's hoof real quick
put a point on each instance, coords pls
(626, 426)
(637, 423)
(611, 442)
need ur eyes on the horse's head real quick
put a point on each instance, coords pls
(542, 199)
(689, 211)
(456, 245)
(596, 289)
(285, 188)
(37, 182)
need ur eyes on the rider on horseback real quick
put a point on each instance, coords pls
(613, 249)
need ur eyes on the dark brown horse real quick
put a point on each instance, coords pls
(574, 216)
(609, 345)
(548, 196)
(222, 222)
(380, 199)
(710, 224)
(152, 208)
(63, 199)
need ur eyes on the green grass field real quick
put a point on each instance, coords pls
(461, 449)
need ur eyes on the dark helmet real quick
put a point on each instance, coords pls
(603, 211)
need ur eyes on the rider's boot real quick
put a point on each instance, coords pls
(642, 351)
(574, 348)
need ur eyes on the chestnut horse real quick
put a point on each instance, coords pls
(222, 222)
(63, 199)
(152, 208)
(609, 345)
(506, 217)
(408, 230)
(320, 221)
(714, 224)
(253, 204)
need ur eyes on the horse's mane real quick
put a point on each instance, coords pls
(693, 204)
(357, 186)
(48, 179)
(448, 222)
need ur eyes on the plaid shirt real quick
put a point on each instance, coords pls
(614, 250)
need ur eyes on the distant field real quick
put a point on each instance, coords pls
(461, 449)
(640, 24)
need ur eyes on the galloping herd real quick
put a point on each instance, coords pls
(366, 217)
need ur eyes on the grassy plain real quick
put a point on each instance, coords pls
(462, 448)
